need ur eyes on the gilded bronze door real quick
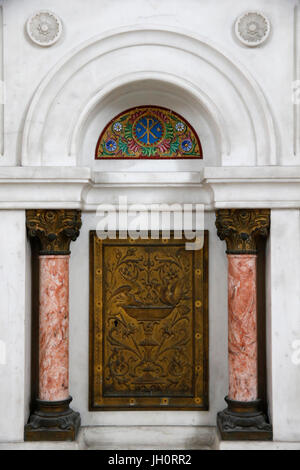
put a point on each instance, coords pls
(148, 324)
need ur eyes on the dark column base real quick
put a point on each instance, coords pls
(52, 421)
(243, 421)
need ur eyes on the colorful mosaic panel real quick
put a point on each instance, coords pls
(148, 132)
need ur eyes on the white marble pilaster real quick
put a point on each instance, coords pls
(14, 325)
(283, 323)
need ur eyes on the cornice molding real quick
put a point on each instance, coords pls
(214, 187)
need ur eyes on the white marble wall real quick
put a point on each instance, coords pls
(14, 325)
(284, 324)
(183, 55)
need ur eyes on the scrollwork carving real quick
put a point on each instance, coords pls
(149, 330)
(148, 323)
(241, 228)
(55, 229)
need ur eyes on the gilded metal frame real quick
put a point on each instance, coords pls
(200, 398)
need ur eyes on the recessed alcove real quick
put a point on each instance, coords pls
(158, 93)
(137, 66)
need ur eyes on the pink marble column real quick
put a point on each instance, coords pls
(242, 327)
(52, 232)
(244, 417)
(54, 328)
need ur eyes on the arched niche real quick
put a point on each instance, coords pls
(138, 65)
(162, 91)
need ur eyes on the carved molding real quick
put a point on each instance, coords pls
(55, 229)
(240, 228)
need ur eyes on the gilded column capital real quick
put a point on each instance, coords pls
(55, 229)
(241, 228)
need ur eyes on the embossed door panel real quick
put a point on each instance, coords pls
(148, 324)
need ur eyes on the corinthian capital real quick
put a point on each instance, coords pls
(241, 228)
(55, 229)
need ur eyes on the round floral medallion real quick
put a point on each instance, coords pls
(186, 145)
(180, 127)
(252, 28)
(117, 127)
(148, 130)
(44, 28)
(111, 145)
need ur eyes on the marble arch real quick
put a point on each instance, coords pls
(180, 60)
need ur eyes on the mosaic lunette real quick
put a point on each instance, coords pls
(148, 132)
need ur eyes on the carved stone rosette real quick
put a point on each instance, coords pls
(244, 418)
(241, 228)
(55, 229)
(44, 28)
(52, 418)
(252, 28)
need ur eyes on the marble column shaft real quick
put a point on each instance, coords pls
(52, 418)
(54, 328)
(54, 230)
(241, 228)
(242, 327)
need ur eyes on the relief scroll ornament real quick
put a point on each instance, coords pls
(252, 28)
(44, 28)
(148, 321)
(241, 228)
(55, 229)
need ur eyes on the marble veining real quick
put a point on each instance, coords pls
(54, 328)
(242, 336)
